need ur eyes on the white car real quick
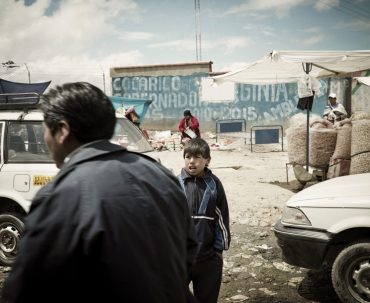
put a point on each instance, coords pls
(25, 166)
(329, 224)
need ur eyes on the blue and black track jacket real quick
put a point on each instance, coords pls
(209, 210)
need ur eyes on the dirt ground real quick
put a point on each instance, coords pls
(257, 189)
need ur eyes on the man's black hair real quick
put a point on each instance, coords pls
(88, 111)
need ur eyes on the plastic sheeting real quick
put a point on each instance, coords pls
(363, 80)
(140, 105)
(9, 87)
(16, 93)
(287, 66)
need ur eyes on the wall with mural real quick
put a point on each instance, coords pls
(172, 94)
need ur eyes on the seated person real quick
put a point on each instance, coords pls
(334, 111)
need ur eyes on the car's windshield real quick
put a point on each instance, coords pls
(25, 143)
(129, 136)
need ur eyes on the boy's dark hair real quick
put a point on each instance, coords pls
(197, 146)
(88, 111)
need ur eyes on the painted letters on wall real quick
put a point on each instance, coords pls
(257, 104)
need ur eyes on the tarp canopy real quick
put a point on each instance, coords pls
(287, 66)
(363, 80)
(16, 94)
(9, 87)
(140, 105)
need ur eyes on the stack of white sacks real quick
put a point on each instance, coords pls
(343, 148)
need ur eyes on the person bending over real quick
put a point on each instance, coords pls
(189, 127)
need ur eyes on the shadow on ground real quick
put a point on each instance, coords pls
(317, 286)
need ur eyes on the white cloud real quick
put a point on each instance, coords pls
(28, 35)
(326, 5)
(227, 44)
(179, 45)
(136, 36)
(312, 40)
(312, 29)
(63, 47)
(268, 33)
(355, 25)
(280, 7)
(61, 69)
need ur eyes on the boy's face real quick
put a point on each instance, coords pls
(195, 164)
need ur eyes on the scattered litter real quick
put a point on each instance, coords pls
(267, 291)
(239, 298)
(264, 246)
(283, 266)
(294, 281)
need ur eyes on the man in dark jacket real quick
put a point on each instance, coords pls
(113, 226)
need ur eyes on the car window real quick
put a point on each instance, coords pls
(25, 143)
(130, 136)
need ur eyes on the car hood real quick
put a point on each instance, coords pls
(345, 191)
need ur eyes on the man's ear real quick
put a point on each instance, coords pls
(63, 131)
(208, 161)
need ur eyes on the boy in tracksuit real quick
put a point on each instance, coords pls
(209, 210)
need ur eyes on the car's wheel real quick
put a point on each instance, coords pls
(11, 228)
(351, 273)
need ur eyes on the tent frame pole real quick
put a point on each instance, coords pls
(307, 67)
(307, 139)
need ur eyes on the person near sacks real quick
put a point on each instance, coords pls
(112, 225)
(189, 127)
(334, 111)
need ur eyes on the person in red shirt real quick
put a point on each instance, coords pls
(189, 127)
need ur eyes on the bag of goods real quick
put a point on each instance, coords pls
(343, 145)
(344, 122)
(321, 123)
(360, 147)
(322, 145)
(296, 141)
(360, 115)
(338, 167)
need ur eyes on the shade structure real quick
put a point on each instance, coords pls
(286, 66)
(292, 66)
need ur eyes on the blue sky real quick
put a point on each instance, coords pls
(64, 40)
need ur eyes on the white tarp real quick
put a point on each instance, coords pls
(363, 80)
(217, 93)
(287, 66)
